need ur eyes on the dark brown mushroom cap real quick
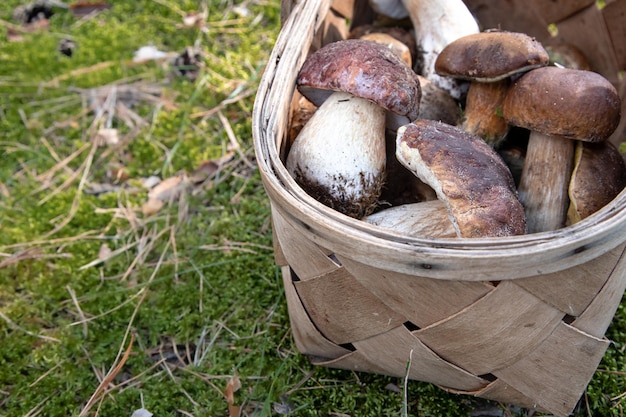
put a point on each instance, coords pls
(364, 69)
(599, 176)
(490, 56)
(467, 174)
(573, 104)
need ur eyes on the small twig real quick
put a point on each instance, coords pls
(230, 100)
(28, 332)
(36, 410)
(146, 245)
(56, 157)
(119, 306)
(52, 242)
(46, 176)
(45, 374)
(80, 310)
(608, 371)
(30, 253)
(108, 378)
(99, 393)
(174, 252)
(233, 139)
(208, 381)
(79, 191)
(300, 383)
(80, 71)
(405, 388)
(110, 256)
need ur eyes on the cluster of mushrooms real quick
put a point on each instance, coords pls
(416, 133)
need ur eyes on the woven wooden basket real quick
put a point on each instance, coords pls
(519, 320)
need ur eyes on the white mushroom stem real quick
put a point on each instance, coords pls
(436, 24)
(428, 219)
(545, 179)
(339, 155)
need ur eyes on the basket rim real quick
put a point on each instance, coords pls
(553, 251)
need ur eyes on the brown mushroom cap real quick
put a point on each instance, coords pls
(490, 56)
(599, 176)
(467, 174)
(399, 33)
(397, 47)
(364, 69)
(573, 104)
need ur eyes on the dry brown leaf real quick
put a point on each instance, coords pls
(84, 8)
(152, 206)
(105, 252)
(233, 385)
(234, 410)
(169, 188)
(205, 171)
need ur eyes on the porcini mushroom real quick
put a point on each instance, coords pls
(467, 175)
(557, 105)
(436, 103)
(436, 24)
(361, 89)
(488, 60)
(599, 176)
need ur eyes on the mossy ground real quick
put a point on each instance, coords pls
(192, 297)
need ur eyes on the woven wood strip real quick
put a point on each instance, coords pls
(398, 347)
(422, 301)
(515, 16)
(615, 18)
(500, 391)
(597, 317)
(597, 48)
(307, 259)
(553, 11)
(562, 289)
(279, 256)
(495, 331)
(349, 311)
(306, 336)
(556, 373)
(333, 28)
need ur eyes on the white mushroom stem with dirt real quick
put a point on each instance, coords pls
(339, 156)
